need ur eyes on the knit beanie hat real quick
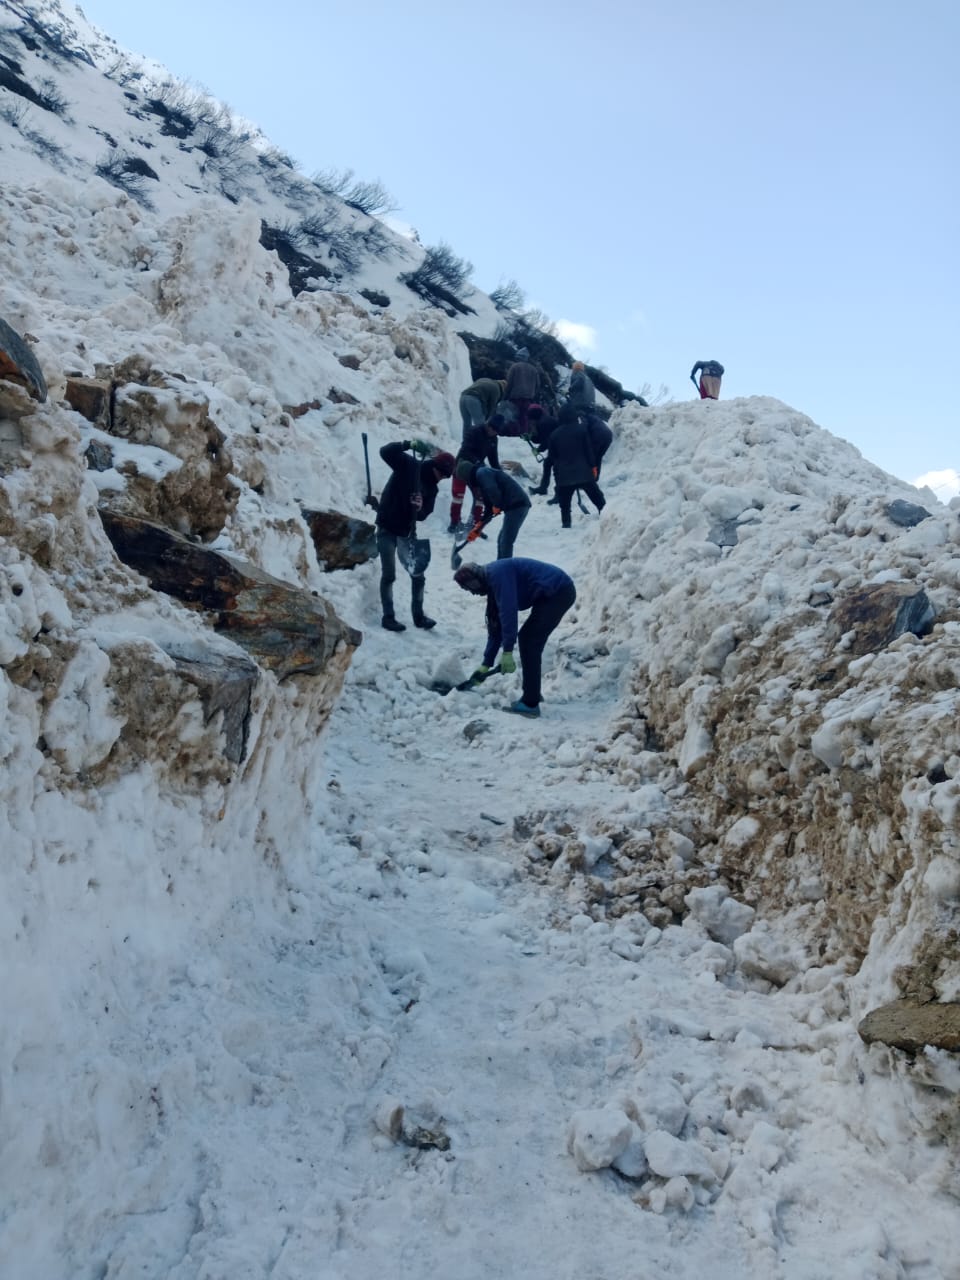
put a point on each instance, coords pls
(464, 470)
(444, 463)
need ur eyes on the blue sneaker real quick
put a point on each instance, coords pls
(520, 708)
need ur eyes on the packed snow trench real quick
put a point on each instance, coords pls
(431, 1054)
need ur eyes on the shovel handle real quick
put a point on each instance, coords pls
(366, 463)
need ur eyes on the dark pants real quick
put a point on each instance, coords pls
(565, 494)
(532, 636)
(387, 547)
(544, 484)
(512, 520)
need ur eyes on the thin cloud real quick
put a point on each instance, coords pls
(581, 338)
(945, 484)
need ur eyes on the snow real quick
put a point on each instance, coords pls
(364, 1007)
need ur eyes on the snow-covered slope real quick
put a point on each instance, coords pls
(616, 957)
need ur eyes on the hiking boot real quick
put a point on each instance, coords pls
(390, 623)
(520, 708)
(454, 528)
(421, 620)
(566, 525)
(540, 492)
(552, 502)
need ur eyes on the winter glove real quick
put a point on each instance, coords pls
(507, 664)
(481, 673)
(421, 448)
(371, 501)
(416, 501)
(475, 532)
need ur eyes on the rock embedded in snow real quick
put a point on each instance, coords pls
(18, 363)
(596, 1138)
(905, 1025)
(878, 613)
(341, 542)
(288, 630)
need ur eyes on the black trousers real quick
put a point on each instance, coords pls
(565, 494)
(532, 636)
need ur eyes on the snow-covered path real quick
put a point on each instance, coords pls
(428, 961)
(443, 976)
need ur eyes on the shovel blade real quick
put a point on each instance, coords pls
(414, 555)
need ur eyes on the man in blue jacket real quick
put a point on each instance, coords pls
(511, 586)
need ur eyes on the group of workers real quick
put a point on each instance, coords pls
(571, 446)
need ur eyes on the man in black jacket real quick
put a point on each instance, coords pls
(574, 464)
(408, 496)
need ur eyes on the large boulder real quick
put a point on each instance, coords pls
(341, 542)
(288, 630)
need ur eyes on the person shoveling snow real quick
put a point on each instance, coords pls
(510, 586)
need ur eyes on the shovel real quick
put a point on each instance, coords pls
(472, 683)
(456, 559)
(413, 552)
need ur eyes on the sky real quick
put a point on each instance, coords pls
(421, 988)
(770, 186)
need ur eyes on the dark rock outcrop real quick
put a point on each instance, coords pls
(878, 614)
(905, 514)
(341, 542)
(288, 630)
(18, 363)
